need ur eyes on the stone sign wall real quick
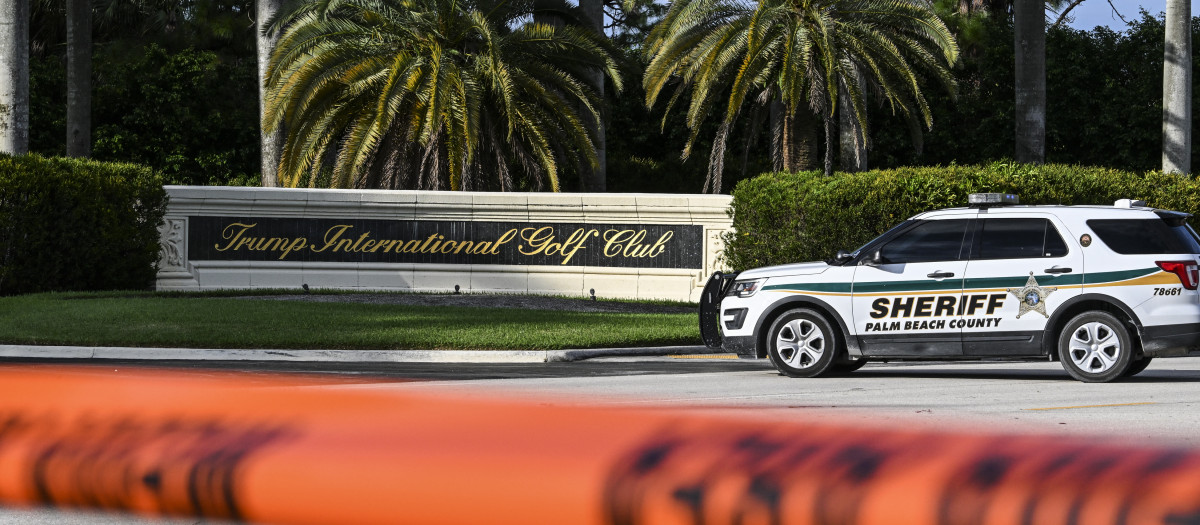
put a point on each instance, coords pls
(620, 245)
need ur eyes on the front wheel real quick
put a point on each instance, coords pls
(802, 343)
(845, 367)
(1094, 347)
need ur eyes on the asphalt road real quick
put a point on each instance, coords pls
(1161, 405)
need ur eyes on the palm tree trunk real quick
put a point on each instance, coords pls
(797, 140)
(79, 78)
(1029, 43)
(829, 140)
(1177, 89)
(271, 142)
(852, 136)
(595, 178)
(775, 121)
(14, 76)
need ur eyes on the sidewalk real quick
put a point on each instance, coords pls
(344, 356)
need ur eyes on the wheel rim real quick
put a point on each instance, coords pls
(800, 343)
(1095, 348)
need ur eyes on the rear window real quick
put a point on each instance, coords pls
(1145, 236)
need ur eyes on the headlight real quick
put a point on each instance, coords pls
(745, 288)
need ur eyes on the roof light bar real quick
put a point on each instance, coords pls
(983, 200)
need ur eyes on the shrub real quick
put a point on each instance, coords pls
(780, 218)
(68, 224)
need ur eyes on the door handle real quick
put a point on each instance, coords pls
(939, 275)
(1057, 270)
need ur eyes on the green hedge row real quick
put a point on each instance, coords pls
(780, 218)
(68, 224)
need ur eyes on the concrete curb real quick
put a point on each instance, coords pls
(341, 356)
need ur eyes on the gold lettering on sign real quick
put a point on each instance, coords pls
(482, 247)
(332, 235)
(628, 243)
(661, 244)
(541, 240)
(235, 233)
(531, 241)
(411, 246)
(427, 241)
(361, 238)
(504, 238)
(575, 243)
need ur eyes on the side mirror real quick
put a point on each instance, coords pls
(842, 256)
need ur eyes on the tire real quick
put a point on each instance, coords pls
(1095, 347)
(802, 343)
(847, 366)
(1138, 366)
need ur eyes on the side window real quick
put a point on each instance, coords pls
(1019, 239)
(1144, 236)
(927, 242)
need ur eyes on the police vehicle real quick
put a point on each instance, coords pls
(1103, 290)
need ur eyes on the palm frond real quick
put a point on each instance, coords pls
(798, 54)
(411, 93)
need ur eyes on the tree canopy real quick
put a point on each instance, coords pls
(433, 94)
(171, 92)
(800, 54)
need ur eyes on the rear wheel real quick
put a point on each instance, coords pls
(802, 343)
(1094, 347)
(1138, 366)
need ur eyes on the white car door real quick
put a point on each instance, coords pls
(1025, 263)
(905, 293)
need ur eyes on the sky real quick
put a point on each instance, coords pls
(1092, 13)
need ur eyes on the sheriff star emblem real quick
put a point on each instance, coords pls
(1032, 297)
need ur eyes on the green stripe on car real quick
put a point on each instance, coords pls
(970, 284)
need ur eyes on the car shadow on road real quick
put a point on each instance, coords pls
(912, 371)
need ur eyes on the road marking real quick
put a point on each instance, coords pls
(705, 356)
(1096, 406)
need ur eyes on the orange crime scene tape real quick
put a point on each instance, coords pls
(186, 444)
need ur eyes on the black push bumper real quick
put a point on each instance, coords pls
(744, 347)
(710, 307)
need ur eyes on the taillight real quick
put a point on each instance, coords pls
(1187, 271)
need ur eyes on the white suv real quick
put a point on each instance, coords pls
(1101, 289)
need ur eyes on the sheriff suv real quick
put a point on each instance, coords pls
(1103, 290)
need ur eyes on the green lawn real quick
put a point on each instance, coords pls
(217, 322)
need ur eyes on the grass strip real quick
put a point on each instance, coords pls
(214, 322)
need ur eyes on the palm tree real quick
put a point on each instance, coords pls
(1029, 61)
(595, 180)
(1029, 48)
(265, 12)
(79, 78)
(431, 94)
(14, 77)
(794, 56)
(1177, 89)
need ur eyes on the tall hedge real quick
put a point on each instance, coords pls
(780, 218)
(68, 224)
